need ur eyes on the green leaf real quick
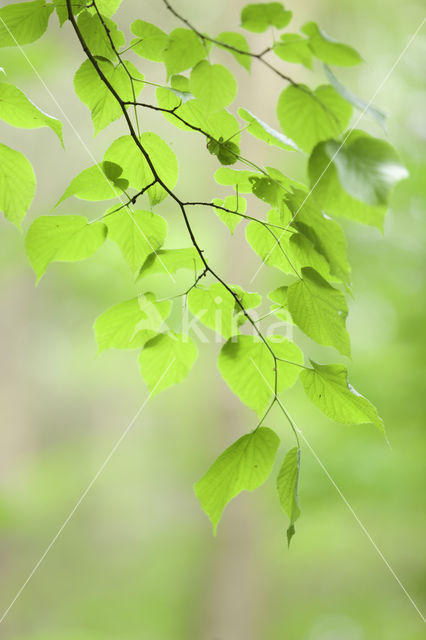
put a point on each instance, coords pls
(356, 179)
(258, 17)
(233, 203)
(227, 152)
(183, 50)
(308, 117)
(150, 42)
(327, 49)
(236, 178)
(247, 367)
(170, 261)
(213, 84)
(108, 7)
(137, 233)
(127, 154)
(287, 485)
(24, 22)
(93, 184)
(237, 41)
(62, 9)
(294, 48)
(280, 308)
(326, 235)
(263, 131)
(327, 386)
(17, 184)
(130, 324)
(62, 239)
(96, 95)
(358, 103)
(243, 466)
(166, 360)
(217, 308)
(96, 37)
(16, 109)
(319, 310)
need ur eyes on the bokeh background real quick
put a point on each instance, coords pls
(138, 561)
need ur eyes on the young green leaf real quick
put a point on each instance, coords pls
(150, 42)
(137, 233)
(263, 131)
(327, 386)
(96, 37)
(166, 360)
(355, 182)
(108, 7)
(91, 90)
(247, 366)
(227, 152)
(319, 310)
(236, 178)
(213, 85)
(24, 22)
(136, 170)
(130, 324)
(171, 260)
(233, 203)
(258, 17)
(62, 239)
(244, 466)
(308, 117)
(327, 49)
(358, 103)
(287, 485)
(237, 41)
(183, 50)
(280, 308)
(326, 235)
(16, 109)
(17, 184)
(96, 183)
(62, 9)
(293, 48)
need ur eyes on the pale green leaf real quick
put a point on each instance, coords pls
(237, 41)
(93, 184)
(150, 42)
(166, 360)
(129, 324)
(327, 49)
(258, 17)
(183, 50)
(17, 184)
(91, 90)
(235, 177)
(233, 203)
(62, 9)
(319, 310)
(260, 129)
(125, 152)
(308, 117)
(247, 366)
(62, 239)
(108, 7)
(280, 307)
(327, 386)
(171, 260)
(96, 37)
(294, 48)
(23, 22)
(213, 85)
(137, 233)
(243, 466)
(16, 109)
(287, 485)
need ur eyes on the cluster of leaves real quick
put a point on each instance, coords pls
(351, 174)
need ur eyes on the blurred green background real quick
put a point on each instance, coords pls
(138, 561)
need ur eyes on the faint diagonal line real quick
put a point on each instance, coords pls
(343, 497)
(357, 121)
(86, 148)
(86, 491)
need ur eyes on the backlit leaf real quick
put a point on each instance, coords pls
(233, 203)
(258, 17)
(237, 41)
(171, 260)
(213, 84)
(23, 22)
(166, 360)
(183, 50)
(17, 184)
(327, 49)
(263, 131)
(287, 485)
(96, 37)
(294, 48)
(150, 42)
